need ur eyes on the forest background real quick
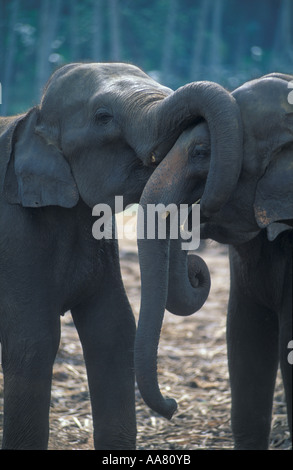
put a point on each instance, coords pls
(176, 41)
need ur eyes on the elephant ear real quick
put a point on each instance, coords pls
(274, 193)
(37, 173)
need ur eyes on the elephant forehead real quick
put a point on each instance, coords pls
(172, 168)
(78, 85)
(84, 79)
(66, 89)
(197, 135)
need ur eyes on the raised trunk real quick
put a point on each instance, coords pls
(180, 109)
(219, 108)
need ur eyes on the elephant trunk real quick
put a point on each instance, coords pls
(153, 300)
(219, 108)
(169, 277)
(189, 275)
(165, 271)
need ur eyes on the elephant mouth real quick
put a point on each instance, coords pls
(159, 152)
(154, 160)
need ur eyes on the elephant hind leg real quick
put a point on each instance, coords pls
(286, 369)
(285, 338)
(252, 339)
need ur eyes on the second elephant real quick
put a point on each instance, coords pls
(256, 221)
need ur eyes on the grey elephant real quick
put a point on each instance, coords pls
(255, 217)
(99, 131)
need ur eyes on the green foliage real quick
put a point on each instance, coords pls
(238, 40)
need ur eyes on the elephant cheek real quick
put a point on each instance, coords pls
(88, 183)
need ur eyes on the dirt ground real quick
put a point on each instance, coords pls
(192, 369)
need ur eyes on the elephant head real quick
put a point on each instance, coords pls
(77, 142)
(99, 131)
(261, 198)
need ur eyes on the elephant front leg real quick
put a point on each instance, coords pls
(28, 356)
(252, 339)
(106, 329)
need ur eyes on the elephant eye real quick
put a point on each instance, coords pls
(200, 151)
(103, 117)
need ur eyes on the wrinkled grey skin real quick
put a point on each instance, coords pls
(256, 221)
(99, 131)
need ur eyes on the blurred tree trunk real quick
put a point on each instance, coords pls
(97, 30)
(48, 22)
(44, 47)
(282, 54)
(73, 27)
(2, 36)
(216, 39)
(199, 39)
(115, 46)
(169, 40)
(241, 46)
(9, 56)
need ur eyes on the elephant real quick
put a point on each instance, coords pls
(99, 131)
(256, 222)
